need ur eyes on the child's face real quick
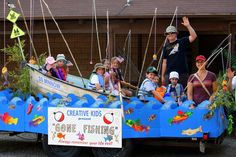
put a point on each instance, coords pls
(107, 64)
(100, 71)
(150, 76)
(156, 79)
(115, 64)
(60, 63)
(174, 81)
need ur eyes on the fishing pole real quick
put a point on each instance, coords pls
(67, 45)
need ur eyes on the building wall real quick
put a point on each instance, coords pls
(78, 35)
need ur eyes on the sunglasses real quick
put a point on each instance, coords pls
(174, 79)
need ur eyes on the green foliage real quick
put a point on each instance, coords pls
(230, 124)
(19, 76)
(224, 97)
(41, 59)
(14, 52)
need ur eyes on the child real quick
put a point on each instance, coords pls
(97, 78)
(175, 89)
(116, 76)
(107, 65)
(50, 67)
(61, 62)
(147, 88)
(156, 80)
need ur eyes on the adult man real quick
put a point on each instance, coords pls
(174, 53)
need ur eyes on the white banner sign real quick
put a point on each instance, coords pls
(92, 127)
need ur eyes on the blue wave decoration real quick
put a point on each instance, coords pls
(142, 119)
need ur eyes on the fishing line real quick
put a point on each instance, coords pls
(4, 30)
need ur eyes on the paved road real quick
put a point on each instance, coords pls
(25, 145)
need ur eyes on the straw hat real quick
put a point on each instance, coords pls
(98, 65)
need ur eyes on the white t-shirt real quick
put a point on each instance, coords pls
(234, 82)
(94, 79)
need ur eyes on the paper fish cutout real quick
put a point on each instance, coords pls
(29, 109)
(129, 111)
(190, 131)
(80, 136)
(37, 120)
(12, 107)
(181, 116)
(152, 117)
(108, 138)
(60, 135)
(135, 124)
(5, 76)
(7, 119)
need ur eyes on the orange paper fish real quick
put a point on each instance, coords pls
(60, 135)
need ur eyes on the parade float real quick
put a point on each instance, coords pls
(69, 116)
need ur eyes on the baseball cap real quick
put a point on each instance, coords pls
(152, 69)
(200, 57)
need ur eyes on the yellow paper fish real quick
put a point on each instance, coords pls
(32, 60)
(4, 70)
(190, 131)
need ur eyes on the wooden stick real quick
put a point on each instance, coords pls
(121, 100)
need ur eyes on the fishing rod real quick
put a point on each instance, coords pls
(145, 54)
(67, 45)
(45, 27)
(28, 32)
(216, 53)
(96, 26)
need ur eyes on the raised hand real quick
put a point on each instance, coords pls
(185, 21)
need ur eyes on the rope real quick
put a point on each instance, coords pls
(217, 52)
(64, 41)
(31, 34)
(145, 54)
(91, 50)
(45, 27)
(229, 36)
(96, 24)
(155, 33)
(127, 59)
(31, 23)
(28, 32)
(220, 51)
(108, 38)
(222, 62)
(4, 30)
(130, 45)
(228, 64)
